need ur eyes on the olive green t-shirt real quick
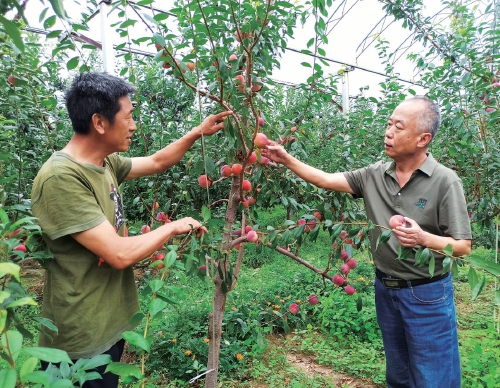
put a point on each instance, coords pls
(90, 304)
(433, 197)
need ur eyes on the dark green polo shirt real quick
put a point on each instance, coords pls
(433, 197)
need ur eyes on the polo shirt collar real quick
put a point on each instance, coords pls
(427, 167)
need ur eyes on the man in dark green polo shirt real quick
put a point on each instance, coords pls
(415, 311)
(89, 291)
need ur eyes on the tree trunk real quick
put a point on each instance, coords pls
(219, 304)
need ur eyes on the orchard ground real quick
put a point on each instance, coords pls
(330, 345)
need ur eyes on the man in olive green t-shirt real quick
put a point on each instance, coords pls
(89, 291)
(416, 312)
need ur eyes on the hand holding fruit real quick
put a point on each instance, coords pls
(213, 123)
(409, 235)
(186, 224)
(275, 152)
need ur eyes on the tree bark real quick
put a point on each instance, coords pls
(219, 301)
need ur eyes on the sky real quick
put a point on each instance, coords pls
(348, 34)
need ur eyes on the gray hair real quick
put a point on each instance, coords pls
(429, 119)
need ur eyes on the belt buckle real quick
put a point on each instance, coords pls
(391, 283)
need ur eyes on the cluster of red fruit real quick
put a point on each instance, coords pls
(311, 224)
(349, 264)
(312, 300)
(251, 234)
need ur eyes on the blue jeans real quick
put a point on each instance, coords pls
(419, 332)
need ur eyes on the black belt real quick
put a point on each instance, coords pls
(391, 282)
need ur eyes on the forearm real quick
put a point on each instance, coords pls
(319, 178)
(174, 152)
(131, 250)
(121, 252)
(432, 241)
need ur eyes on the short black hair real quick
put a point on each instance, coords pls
(92, 93)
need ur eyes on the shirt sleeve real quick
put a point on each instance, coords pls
(357, 180)
(121, 166)
(453, 218)
(71, 194)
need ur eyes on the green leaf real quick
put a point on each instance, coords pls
(359, 303)
(472, 277)
(497, 298)
(48, 354)
(404, 252)
(14, 339)
(4, 218)
(448, 250)
(47, 323)
(124, 370)
(170, 259)
(28, 366)
(22, 302)
(454, 269)
(72, 63)
(432, 266)
(479, 262)
(478, 288)
(128, 23)
(422, 257)
(62, 383)
(10, 269)
(3, 319)
(58, 7)
(137, 318)
(136, 339)
(3, 296)
(205, 211)
(14, 33)
(156, 305)
(209, 165)
(313, 235)
(299, 231)
(8, 378)
(224, 73)
(97, 361)
(446, 264)
(383, 237)
(156, 285)
(49, 22)
(37, 377)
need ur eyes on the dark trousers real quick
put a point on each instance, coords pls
(109, 380)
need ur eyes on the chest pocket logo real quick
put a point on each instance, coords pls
(421, 203)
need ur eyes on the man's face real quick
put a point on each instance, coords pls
(402, 140)
(119, 134)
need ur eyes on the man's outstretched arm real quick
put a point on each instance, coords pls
(173, 153)
(331, 181)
